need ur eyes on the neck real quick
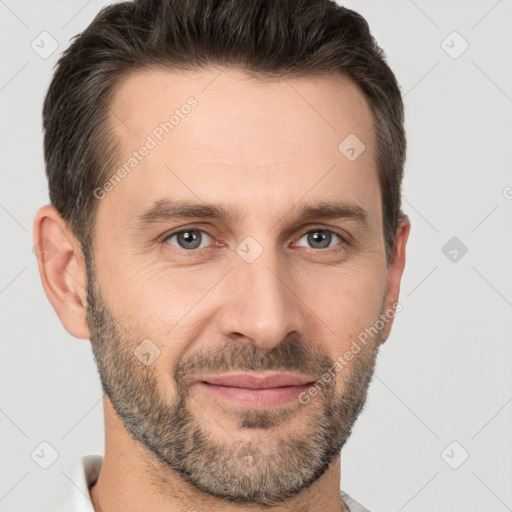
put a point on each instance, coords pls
(132, 478)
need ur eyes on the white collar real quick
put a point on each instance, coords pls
(77, 498)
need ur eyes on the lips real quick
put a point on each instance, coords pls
(255, 380)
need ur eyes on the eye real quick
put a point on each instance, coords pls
(321, 238)
(189, 239)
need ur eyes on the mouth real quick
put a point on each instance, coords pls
(257, 389)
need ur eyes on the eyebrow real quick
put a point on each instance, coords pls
(165, 210)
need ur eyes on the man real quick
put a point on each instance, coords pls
(225, 184)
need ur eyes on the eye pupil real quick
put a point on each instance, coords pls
(320, 237)
(189, 239)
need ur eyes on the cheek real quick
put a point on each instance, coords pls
(348, 303)
(151, 292)
(171, 312)
(349, 297)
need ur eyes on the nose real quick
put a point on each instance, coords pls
(263, 305)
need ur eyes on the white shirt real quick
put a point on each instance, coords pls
(86, 472)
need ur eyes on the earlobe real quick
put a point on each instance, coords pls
(62, 270)
(395, 272)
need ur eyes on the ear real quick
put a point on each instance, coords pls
(395, 271)
(62, 269)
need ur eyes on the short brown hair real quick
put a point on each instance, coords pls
(279, 39)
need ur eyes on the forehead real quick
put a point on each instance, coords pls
(215, 132)
(329, 105)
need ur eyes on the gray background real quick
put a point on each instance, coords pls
(444, 375)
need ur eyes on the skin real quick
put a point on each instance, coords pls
(263, 147)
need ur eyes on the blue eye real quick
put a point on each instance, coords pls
(320, 238)
(189, 238)
(192, 239)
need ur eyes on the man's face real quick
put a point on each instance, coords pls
(176, 301)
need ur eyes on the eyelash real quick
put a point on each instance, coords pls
(344, 241)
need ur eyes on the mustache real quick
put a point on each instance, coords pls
(292, 354)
